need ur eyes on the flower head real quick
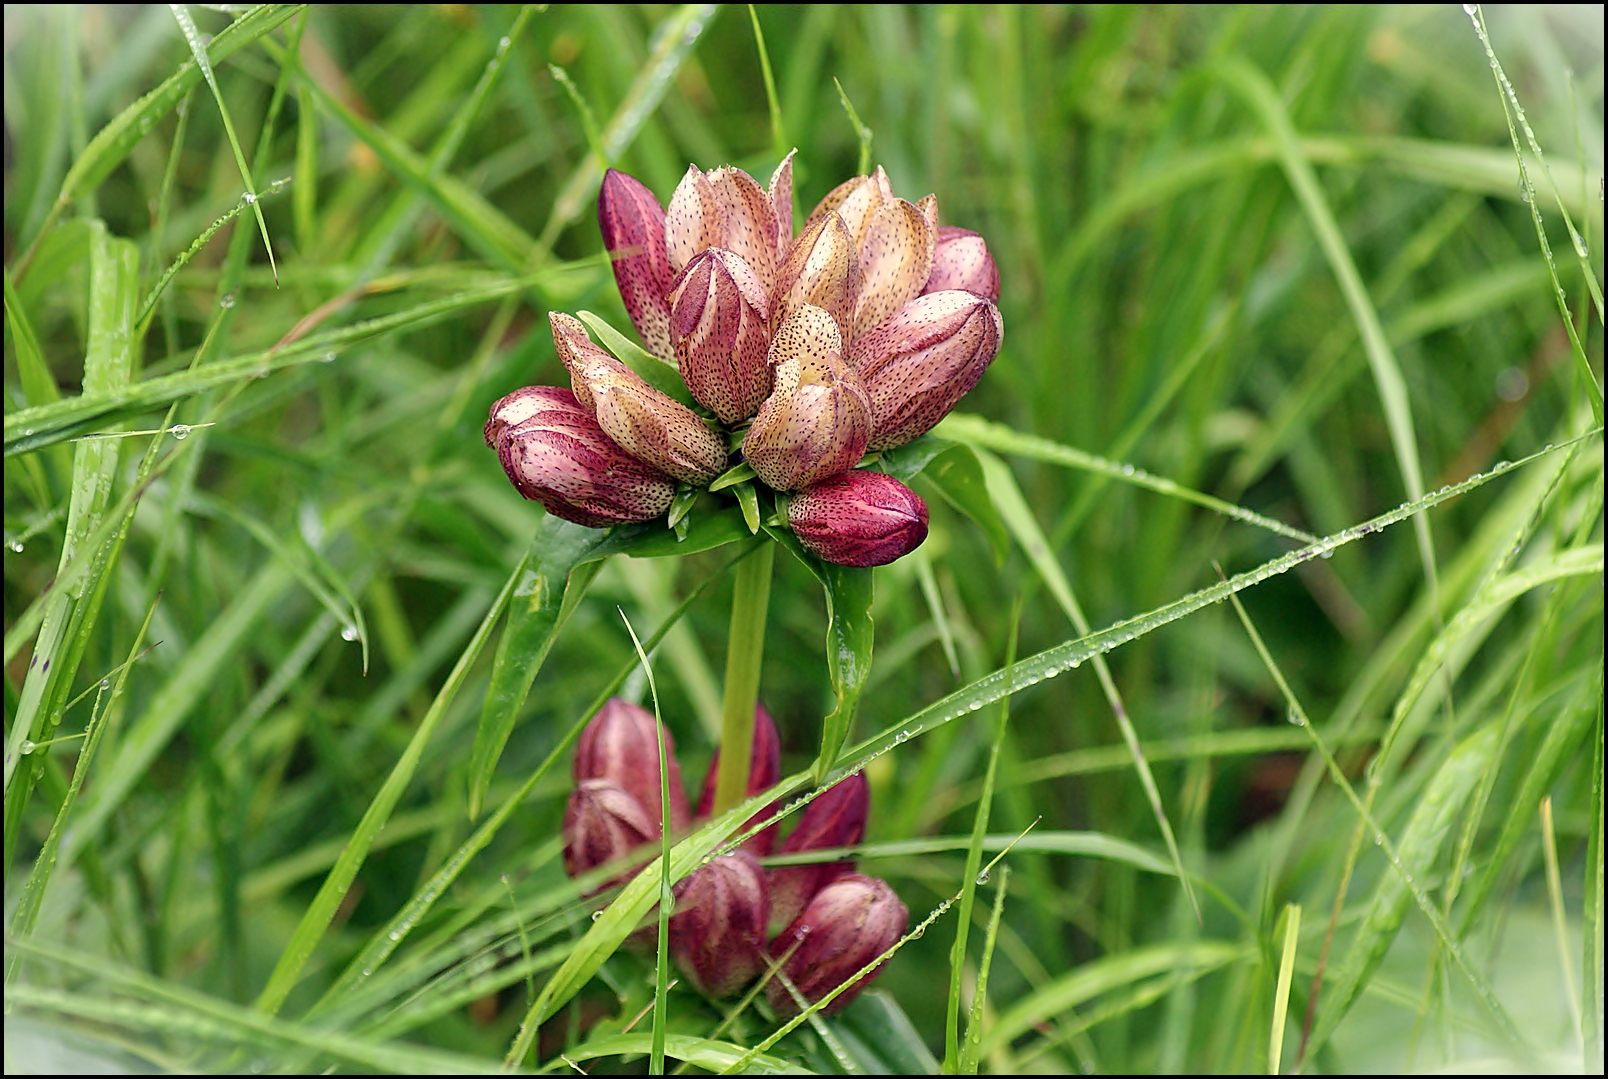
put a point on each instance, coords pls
(621, 745)
(717, 934)
(847, 925)
(859, 333)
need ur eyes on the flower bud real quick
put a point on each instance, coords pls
(720, 329)
(717, 934)
(836, 818)
(642, 421)
(603, 822)
(919, 363)
(764, 770)
(556, 454)
(822, 269)
(632, 222)
(895, 259)
(962, 261)
(817, 420)
(726, 208)
(860, 518)
(621, 744)
(847, 925)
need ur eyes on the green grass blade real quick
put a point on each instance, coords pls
(1592, 937)
(1259, 93)
(1024, 526)
(986, 434)
(1281, 995)
(315, 922)
(552, 578)
(974, 1021)
(198, 49)
(974, 859)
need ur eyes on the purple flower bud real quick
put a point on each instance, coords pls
(725, 208)
(720, 328)
(822, 269)
(919, 363)
(962, 261)
(895, 259)
(847, 925)
(817, 420)
(601, 823)
(860, 518)
(717, 934)
(764, 770)
(621, 744)
(835, 819)
(633, 234)
(642, 421)
(556, 454)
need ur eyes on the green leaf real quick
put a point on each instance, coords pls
(879, 1033)
(660, 374)
(958, 476)
(546, 591)
(905, 463)
(711, 1056)
(849, 637)
(650, 539)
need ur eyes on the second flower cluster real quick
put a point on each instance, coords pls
(818, 923)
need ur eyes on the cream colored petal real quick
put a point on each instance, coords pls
(695, 220)
(781, 200)
(822, 269)
(895, 260)
(750, 231)
(807, 334)
(856, 202)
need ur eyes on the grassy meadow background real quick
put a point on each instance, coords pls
(1278, 256)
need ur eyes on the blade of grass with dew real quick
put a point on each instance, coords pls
(32, 428)
(1261, 96)
(712, 1056)
(26, 914)
(553, 576)
(1013, 508)
(974, 859)
(974, 1019)
(1281, 995)
(1560, 922)
(1102, 976)
(180, 1010)
(661, 976)
(113, 143)
(198, 49)
(315, 922)
(386, 941)
(985, 434)
(1429, 826)
(1057, 660)
(68, 614)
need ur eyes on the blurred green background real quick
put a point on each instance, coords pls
(1168, 303)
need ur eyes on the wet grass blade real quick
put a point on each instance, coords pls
(315, 922)
(1024, 526)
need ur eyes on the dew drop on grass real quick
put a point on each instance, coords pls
(395, 934)
(982, 878)
(226, 301)
(1469, 9)
(1295, 718)
(106, 683)
(329, 357)
(15, 546)
(596, 914)
(348, 632)
(27, 747)
(180, 431)
(249, 197)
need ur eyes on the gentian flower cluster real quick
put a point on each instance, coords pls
(804, 353)
(820, 922)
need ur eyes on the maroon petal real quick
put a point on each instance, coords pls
(632, 222)
(962, 261)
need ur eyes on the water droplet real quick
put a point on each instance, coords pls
(180, 431)
(920, 932)
(982, 878)
(596, 914)
(1379, 840)
(1295, 718)
(348, 632)
(395, 934)
(329, 357)
(106, 683)
(1469, 9)
(502, 44)
(16, 546)
(367, 971)
(249, 197)
(27, 746)
(226, 301)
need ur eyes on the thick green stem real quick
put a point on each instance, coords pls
(744, 651)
